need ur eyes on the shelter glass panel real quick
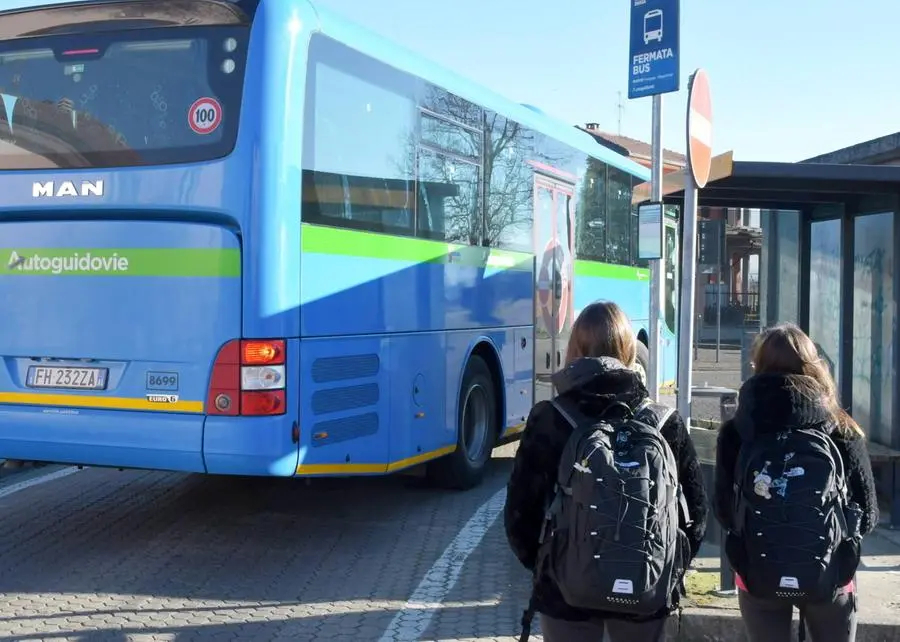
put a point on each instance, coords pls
(825, 292)
(873, 324)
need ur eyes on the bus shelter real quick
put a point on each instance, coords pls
(830, 242)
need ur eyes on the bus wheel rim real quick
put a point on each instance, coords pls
(475, 422)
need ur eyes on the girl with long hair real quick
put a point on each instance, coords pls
(602, 369)
(792, 400)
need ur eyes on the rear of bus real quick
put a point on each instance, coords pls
(125, 195)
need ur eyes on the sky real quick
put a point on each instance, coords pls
(789, 79)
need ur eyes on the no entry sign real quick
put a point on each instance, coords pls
(699, 128)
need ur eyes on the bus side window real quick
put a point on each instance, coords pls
(509, 184)
(590, 213)
(359, 142)
(448, 204)
(618, 204)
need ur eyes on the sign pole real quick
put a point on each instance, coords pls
(688, 290)
(719, 300)
(653, 71)
(699, 147)
(657, 266)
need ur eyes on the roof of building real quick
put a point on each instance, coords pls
(779, 185)
(870, 152)
(637, 149)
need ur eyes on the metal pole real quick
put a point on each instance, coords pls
(688, 275)
(656, 267)
(697, 323)
(719, 295)
(697, 337)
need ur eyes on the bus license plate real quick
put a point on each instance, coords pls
(70, 378)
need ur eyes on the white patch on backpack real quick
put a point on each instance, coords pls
(762, 482)
(789, 583)
(623, 586)
(582, 468)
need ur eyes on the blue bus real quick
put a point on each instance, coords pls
(248, 237)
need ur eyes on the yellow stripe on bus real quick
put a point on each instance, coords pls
(374, 469)
(363, 469)
(106, 403)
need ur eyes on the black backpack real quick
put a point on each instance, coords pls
(611, 539)
(792, 516)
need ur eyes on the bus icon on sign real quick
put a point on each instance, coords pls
(653, 26)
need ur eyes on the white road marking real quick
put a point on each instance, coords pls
(37, 481)
(415, 616)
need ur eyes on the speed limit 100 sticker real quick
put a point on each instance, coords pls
(205, 115)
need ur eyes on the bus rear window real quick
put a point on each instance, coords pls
(115, 99)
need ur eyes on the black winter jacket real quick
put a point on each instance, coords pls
(534, 471)
(770, 403)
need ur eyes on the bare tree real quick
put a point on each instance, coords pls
(466, 136)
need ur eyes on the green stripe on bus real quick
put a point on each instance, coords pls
(21, 261)
(331, 240)
(611, 271)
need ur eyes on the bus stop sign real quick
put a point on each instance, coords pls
(699, 128)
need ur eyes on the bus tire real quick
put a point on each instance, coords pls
(476, 431)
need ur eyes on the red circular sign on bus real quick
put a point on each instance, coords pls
(205, 115)
(545, 281)
(564, 266)
(554, 262)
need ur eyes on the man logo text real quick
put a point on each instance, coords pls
(51, 189)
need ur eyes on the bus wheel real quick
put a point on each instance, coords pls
(476, 431)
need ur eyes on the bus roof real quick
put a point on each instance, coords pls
(340, 28)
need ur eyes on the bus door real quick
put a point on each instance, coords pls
(554, 304)
(671, 294)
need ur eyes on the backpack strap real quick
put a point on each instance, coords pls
(842, 484)
(653, 414)
(579, 420)
(565, 413)
(657, 415)
(562, 488)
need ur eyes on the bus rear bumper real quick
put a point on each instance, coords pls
(149, 440)
(258, 446)
(116, 438)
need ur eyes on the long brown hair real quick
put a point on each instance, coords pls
(786, 349)
(602, 330)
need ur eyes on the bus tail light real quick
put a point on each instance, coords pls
(260, 353)
(264, 402)
(248, 379)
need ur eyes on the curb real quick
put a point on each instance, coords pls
(718, 625)
(12, 467)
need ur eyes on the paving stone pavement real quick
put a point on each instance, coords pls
(136, 555)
